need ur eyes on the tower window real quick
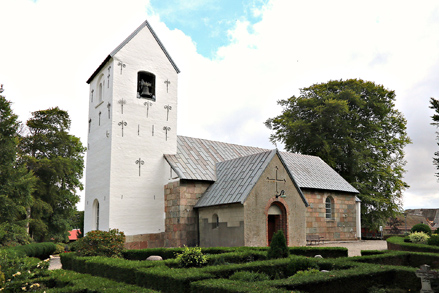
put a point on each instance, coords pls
(145, 85)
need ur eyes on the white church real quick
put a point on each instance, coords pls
(166, 190)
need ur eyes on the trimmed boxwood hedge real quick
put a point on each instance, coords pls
(40, 250)
(397, 243)
(344, 274)
(69, 281)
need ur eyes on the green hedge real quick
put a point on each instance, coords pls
(401, 258)
(169, 253)
(397, 243)
(359, 278)
(40, 250)
(67, 281)
(326, 252)
(345, 273)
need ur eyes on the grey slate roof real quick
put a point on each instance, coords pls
(312, 172)
(196, 159)
(236, 178)
(129, 38)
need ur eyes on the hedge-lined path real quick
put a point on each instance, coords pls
(355, 247)
(55, 262)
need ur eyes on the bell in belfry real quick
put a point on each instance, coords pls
(145, 89)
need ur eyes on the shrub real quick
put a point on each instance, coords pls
(101, 243)
(20, 270)
(246, 276)
(418, 237)
(40, 250)
(191, 257)
(306, 272)
(301, 264)
(421, 228)
(278, 246)
(433, 240)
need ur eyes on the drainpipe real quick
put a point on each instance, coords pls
(358, 217)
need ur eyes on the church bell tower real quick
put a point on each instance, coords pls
(132, 123)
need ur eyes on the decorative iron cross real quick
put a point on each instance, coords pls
(139, 162)
(122, 123)
(122, 102)
(167, 85)
(276, 180)
(100, 118)
(89, 125)
(92, 91)
(122, 65)
(166, 129)
(168, 107)
(147, 104)
(108, 76)
(109, 107)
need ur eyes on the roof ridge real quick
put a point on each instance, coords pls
(129, 38)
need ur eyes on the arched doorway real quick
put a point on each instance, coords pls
(95, 214)
(276, 220)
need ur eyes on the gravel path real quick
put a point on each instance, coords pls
(355, 247)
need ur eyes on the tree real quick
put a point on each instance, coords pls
(16, 184)
(434, 104)
(56, 159)
(354, 127)
(278, 246)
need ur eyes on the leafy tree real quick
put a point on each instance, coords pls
(394, 223)
(354, 127)
(16, 184)
(56, 159)
(434, 104)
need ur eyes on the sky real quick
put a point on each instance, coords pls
(237, 59)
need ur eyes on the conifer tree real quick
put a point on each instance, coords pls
(278, 246)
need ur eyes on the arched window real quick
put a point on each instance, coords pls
(145, 85)
(329, 205)
(100, 92)
(215, 221)
(100, 89)
(96, 214)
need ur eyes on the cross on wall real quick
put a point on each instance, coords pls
(276, 180)
(140, 162)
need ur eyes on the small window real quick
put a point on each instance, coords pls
(100, 92)
(145, 85)
(96, 214)
(215, 221)
(329, 204)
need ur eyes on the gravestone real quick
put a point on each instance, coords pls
(426, 274)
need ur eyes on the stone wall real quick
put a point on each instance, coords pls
(181, 222)
(229, 231)
(343, 224)
(181, 219)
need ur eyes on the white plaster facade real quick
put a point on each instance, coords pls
(130, 199)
